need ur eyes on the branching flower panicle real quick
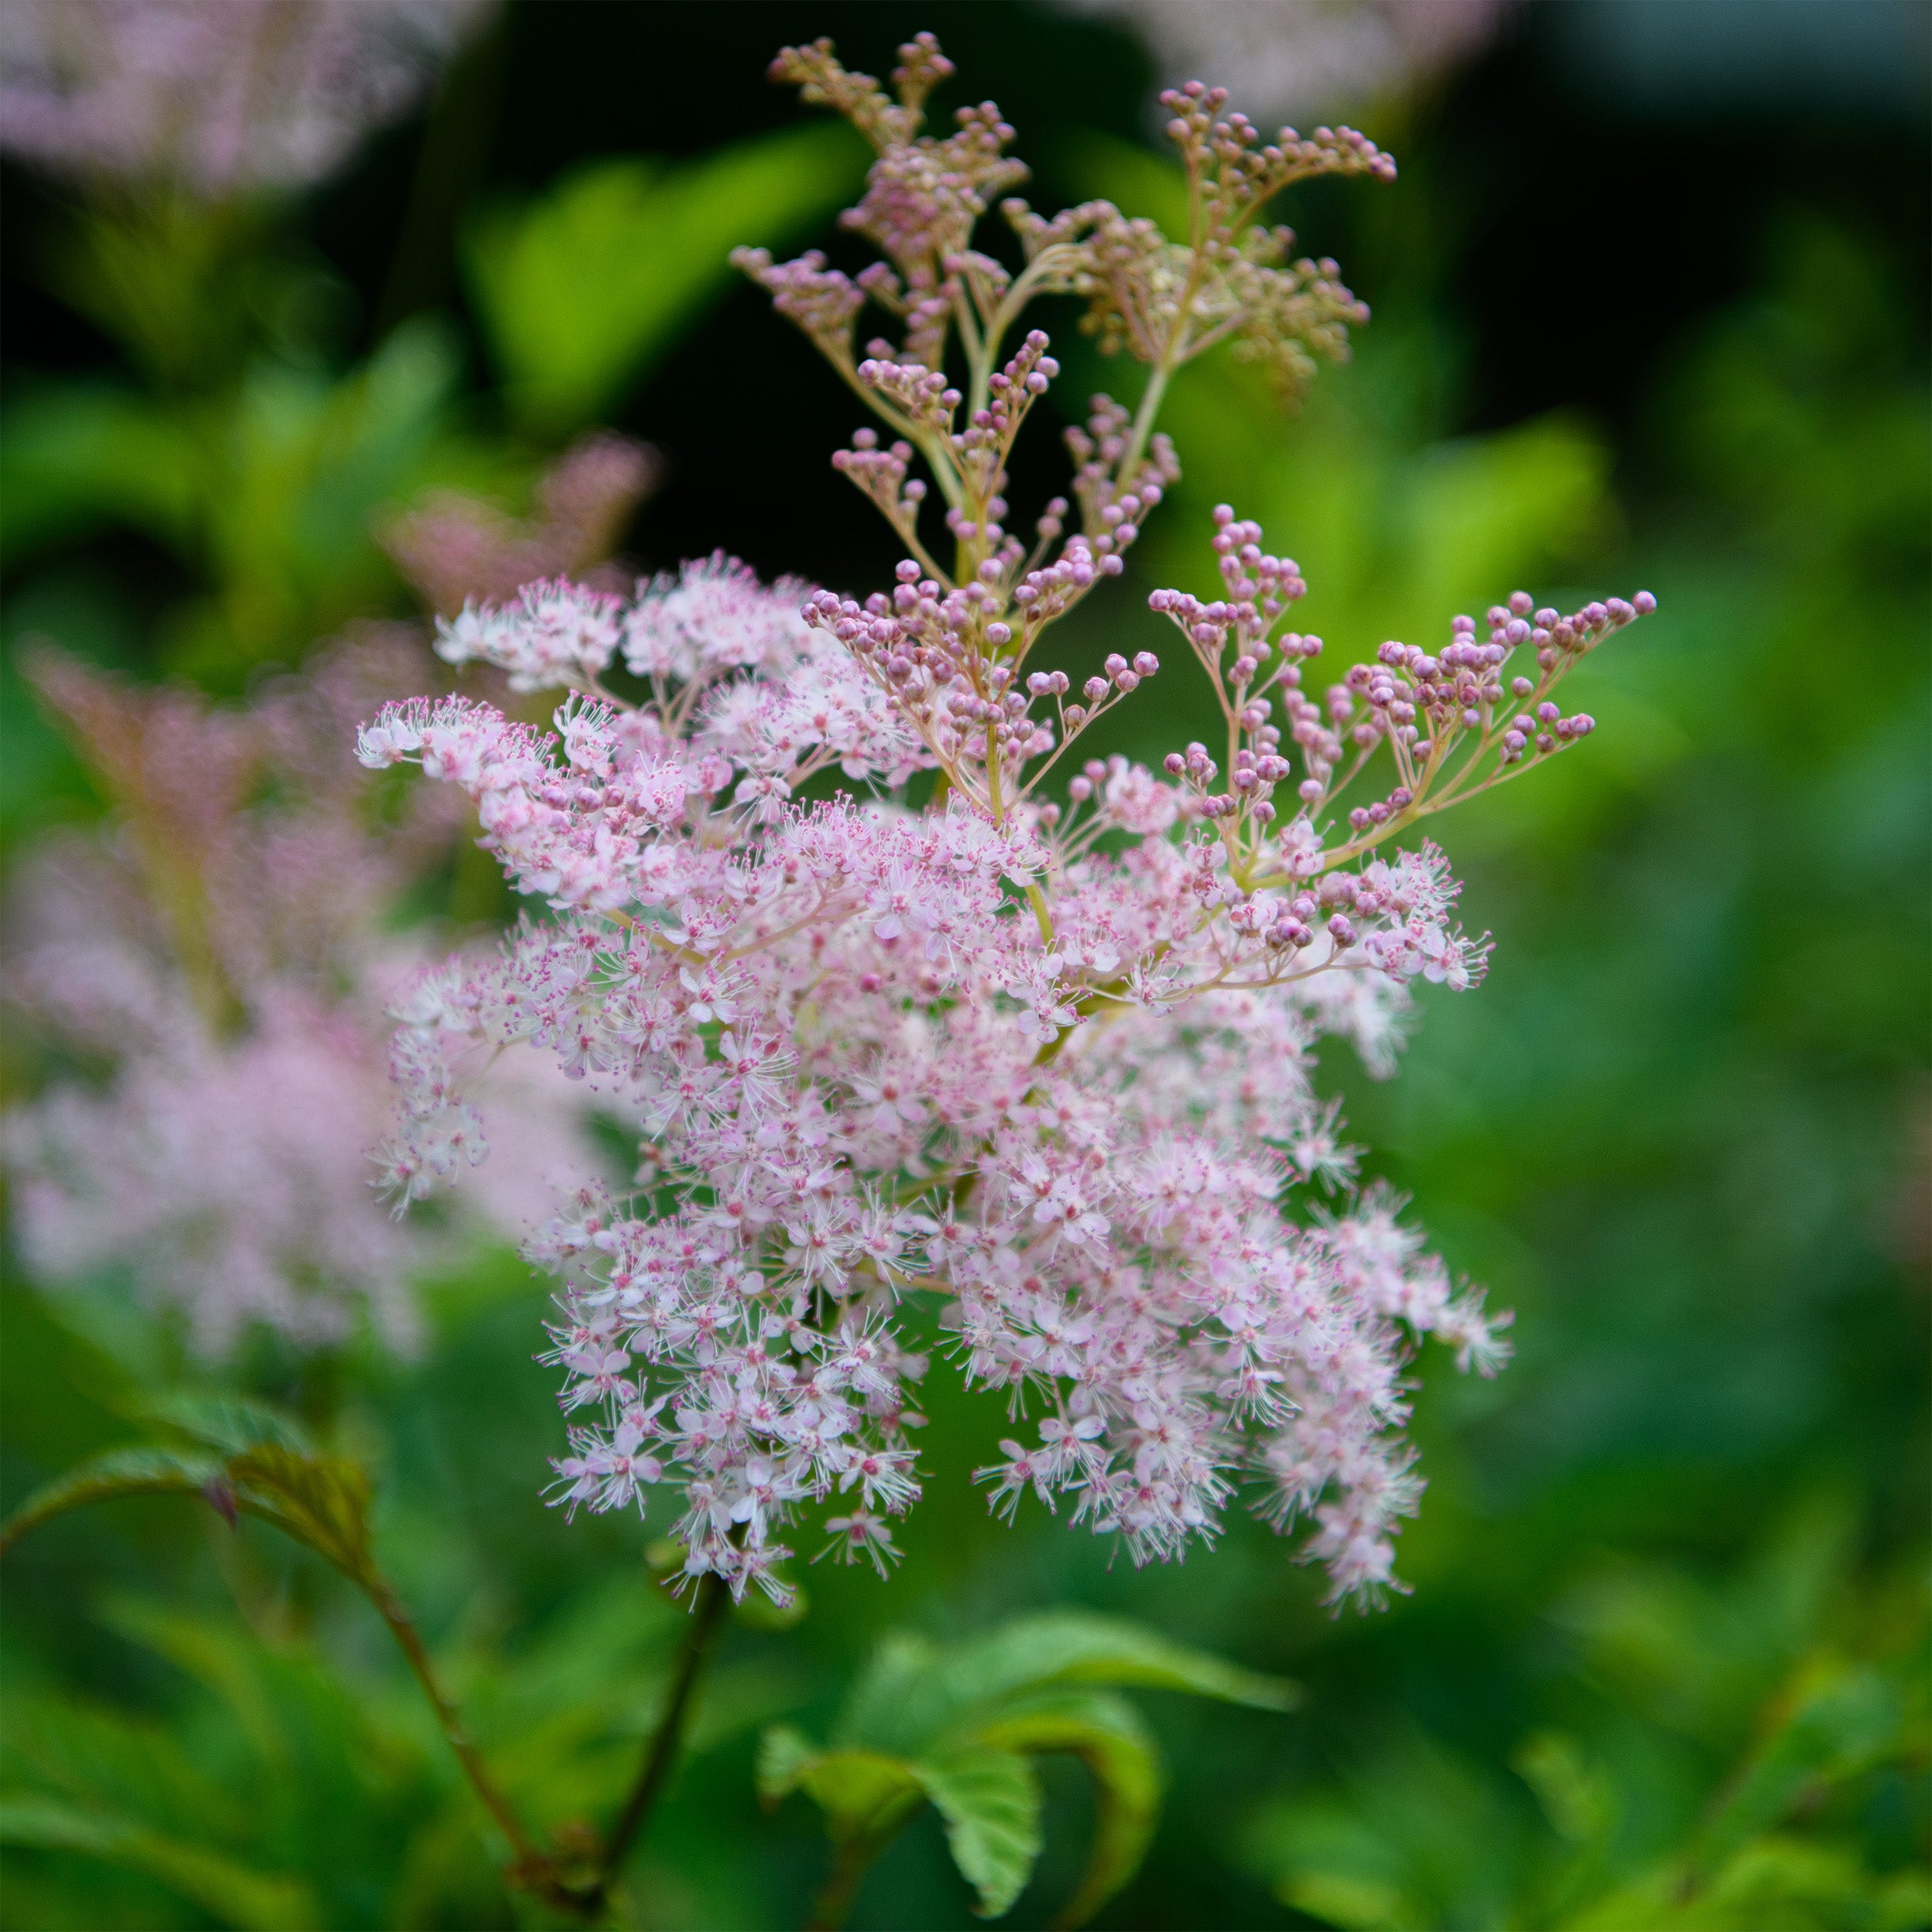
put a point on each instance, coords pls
(1041, 1066)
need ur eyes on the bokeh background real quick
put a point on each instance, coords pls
(1650, 310)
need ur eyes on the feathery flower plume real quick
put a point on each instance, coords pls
(215, 971)
(1038, 1065)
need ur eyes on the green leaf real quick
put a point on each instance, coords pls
(233, 1894)
(1840, 1721)
(100, 1758)
(1577, 1795)
(321, 1501)
(117, 1473)
(1107, 1734)
(784, 1755)
(866, 1797)
(212, 1653)
(990, 1800)
(911, 1694)
(76, 456)
(903, 1673)
(232, 1424)
(579, 290)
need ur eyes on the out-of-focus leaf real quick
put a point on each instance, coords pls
(785, 1753)
(232, 1893)
(866, 1797)
(990, 1801)
(911, 1694)
(208, 1651)
(321, 1501)
(78, 457)
(1577, 1798)
(232, 1423)
(899, 1673)
(1840, 1721)
(78, 1752)
(103, 1478)
(1770, 1884)
(1105, 1733)
(580, 290)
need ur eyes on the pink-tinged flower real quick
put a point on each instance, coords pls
(1049, 1061)
(217, 959)
(861, 1534)
(214, 99)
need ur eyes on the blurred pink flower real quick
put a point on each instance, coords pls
(215, 96)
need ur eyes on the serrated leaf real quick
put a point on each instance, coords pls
(232, 1424)
(321, 1501)
(866, 1797)
(581, 289)
(1107, 1734)
(105, 1478)
(990, 1801)
(784, 1755)
(232, 1893)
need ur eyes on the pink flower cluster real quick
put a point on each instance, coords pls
(213, 973)
(215, 96)
(1051, 1070)
(1022, 1079)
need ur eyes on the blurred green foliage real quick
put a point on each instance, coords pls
(252, 453)
(956, 1727)
(1664, 1665)
(577, 291)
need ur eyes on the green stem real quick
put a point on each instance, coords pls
(1151, 399)
(532, 1867)
(833, 1903)
(660, 1754)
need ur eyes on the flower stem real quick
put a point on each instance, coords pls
(532, 1867)
(833, 1903)
(707, 1613)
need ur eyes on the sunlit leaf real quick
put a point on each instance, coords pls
(990, 1800)
(1106, 1733)
(580, 290)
